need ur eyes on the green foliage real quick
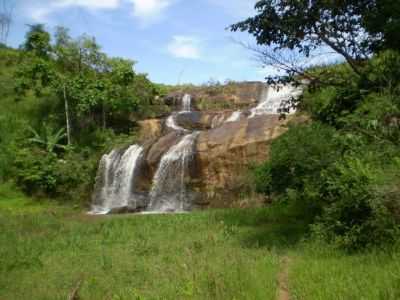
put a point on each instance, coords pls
(104, 97)
(340, 180)
(68, 177)
(50, 139)
(35, 171)
(304, 26)
(297, 159)
(356, 215)
(37, 40)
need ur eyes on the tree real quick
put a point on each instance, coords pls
(6, 11)
(89, 87)
(37, 41)
(353, 28)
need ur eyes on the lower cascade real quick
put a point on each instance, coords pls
(115, 182)
(169, 191)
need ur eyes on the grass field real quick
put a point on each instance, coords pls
(48, 252)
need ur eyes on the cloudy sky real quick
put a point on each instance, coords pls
(171, 40)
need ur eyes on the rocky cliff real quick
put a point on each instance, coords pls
(194, 158)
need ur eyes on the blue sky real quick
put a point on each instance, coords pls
(171, 40)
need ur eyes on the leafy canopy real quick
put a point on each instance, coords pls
(353, 28)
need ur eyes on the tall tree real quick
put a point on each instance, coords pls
(37, 41)
(353, 28)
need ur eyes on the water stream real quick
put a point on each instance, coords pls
(273, 97)
(116, 180)
(169, 191)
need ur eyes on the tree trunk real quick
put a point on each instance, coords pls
(104, 117)
(67, 116)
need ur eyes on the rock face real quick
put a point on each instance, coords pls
(234, 95)
(225, 153)
(150, 129)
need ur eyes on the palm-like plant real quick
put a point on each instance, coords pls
(50, 139)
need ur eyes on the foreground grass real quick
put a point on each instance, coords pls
(47, 251)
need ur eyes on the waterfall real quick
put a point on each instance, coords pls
(217, 120)
(169, 191)
(186, 107)
(115, 180)
(273, 97)
(171, 123)
(186, 103)
(235, 116)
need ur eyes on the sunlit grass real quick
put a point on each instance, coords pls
(47, 250)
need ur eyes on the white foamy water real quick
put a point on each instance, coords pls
(169, 193)
(171, 123)
(186, 107)
(234, 117)
(116, 172)
(273, 97)
(186, 103)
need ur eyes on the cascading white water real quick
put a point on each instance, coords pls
(186, 107)
(186, 103)
(217, 120)
(169, 193)
(116, 176)
(273, 97)
(171, 123)
(234, 117)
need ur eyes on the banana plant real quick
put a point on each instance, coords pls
(49, 139)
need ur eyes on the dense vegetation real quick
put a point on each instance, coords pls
(64, 104)
(341, 169)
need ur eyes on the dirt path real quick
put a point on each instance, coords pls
(283, 286)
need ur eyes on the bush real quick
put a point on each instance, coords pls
(356, 214)
(297, 159)
(337, 180)
(68, 177)
(35, 171)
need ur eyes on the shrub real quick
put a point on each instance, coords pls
(337, 180)
(297, 159)
(68, 177)
(355, 214)
(35, 171)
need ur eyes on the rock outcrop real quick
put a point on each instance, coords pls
(233, 95)
(224, 154)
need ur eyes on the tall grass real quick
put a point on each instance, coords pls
(47, 251)
(319, 272)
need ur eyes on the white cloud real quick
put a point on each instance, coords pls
(146, 11)
(41, 10)
(184, 47)
(150, 11)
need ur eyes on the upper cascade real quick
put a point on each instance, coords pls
(186, 107)
(186, 103)
(273, 97)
